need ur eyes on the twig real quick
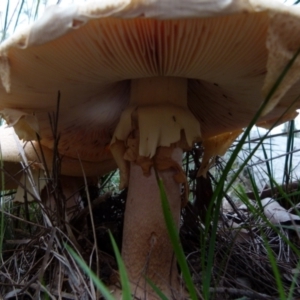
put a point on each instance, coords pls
(240, 293)
(241, 217)
(269, 137)
(270, 192)
(92, 223)
(272, 158)
(45, 259)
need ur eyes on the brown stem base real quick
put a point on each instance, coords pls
(147, 251)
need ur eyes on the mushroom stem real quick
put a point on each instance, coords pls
(158, 90)
(147, 251)
(153, 131)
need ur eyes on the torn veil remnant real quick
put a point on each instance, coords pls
(139, 76)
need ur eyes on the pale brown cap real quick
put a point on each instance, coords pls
(232, 52)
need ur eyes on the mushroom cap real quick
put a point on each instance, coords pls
(231, 52)
(14, 151)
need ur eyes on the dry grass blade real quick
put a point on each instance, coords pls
(35, 263)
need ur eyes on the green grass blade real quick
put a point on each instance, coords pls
(175, 240)
(258, 212)
(289, 149)
(37, 9)
(5, 28)
(126, 293)
(252, 123)
(157, 290)
(294, 283)
(254, 187)
(19, 14)
(219, 191)
(212, 219)
(275, 269)
(98, 283)
(268, 163)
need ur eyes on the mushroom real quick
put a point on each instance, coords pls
(23, 169)
(144, 80)
(14, 151)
